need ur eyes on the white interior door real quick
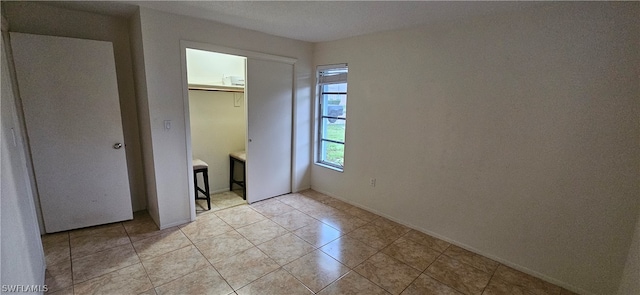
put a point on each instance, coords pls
(72, 112)
(269, 91)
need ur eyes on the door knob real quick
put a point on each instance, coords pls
(117, 146)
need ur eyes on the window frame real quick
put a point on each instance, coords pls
(321, 117)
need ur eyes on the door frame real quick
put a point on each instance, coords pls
(184, 44)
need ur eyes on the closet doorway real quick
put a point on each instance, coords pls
(267, 104)
(217, 116)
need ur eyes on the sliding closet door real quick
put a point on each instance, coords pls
(269, 93)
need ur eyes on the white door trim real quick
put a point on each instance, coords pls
(233, 51)
(184, 44)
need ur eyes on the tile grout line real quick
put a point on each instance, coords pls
(279, 266)
(464, 263)
(254, 246)
(318, 248)
(146, 272)
(342, 234)
(425, 269)
(441, 253)
(73, 281)
(314, 246)
(192, 243)
(490, 278)
(70, 261)
(472, 266)
(154, 286)
(208, 261)
(378, 250)
(252, 243)
(71, 258)
(339, 278)
(296, 278)
(435, 279)
(308, 207)
(90, 235)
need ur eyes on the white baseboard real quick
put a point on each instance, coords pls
(180, 222)
(222, 190)
(464, 246)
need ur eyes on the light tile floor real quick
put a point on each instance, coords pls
(294, 244)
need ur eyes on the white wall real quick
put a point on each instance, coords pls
(161, 36)
(144, 119)
(630, 283)
(218, 127)
(36, 18)
(21, 256)
(515, 135)
(212, 68)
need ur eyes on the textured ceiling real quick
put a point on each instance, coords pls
(313, 21)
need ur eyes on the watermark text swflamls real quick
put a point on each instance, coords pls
(24, 288)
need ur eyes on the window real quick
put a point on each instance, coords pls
(332, 94)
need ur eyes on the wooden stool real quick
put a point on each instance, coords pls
(200, 166)
(240, 157)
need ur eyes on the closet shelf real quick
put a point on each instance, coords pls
(225, 88)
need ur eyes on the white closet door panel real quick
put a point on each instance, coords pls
(269, 106)
(72, 112)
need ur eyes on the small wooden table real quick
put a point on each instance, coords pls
(239, 157)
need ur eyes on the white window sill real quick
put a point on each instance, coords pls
(329, 167)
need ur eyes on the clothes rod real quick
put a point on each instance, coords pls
(216, 88)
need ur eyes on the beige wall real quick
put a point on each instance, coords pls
(218, 127)
(515, 136)
(161, 36)
(35, 18)
(144, 120)
(630, 283)
(212, 68)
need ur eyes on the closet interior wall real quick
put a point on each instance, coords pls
(218, 127)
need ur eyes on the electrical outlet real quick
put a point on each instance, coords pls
(372, 182)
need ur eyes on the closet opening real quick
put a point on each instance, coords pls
(218, 128)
